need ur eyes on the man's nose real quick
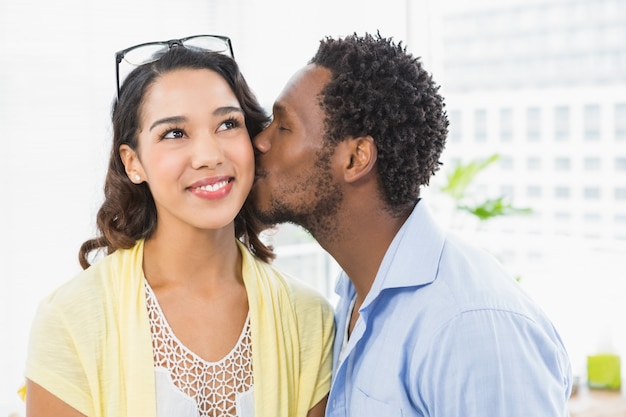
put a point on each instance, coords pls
(261, 141)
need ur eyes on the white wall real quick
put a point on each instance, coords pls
(56, 85)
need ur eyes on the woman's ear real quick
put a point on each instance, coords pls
(363, 153)
(132, 165)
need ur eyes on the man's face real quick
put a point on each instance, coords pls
(294, 165)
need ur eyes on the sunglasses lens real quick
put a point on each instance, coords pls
(146, 53)
(208, 43)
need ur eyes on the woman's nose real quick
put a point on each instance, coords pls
(207, 152)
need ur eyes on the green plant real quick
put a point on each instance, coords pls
(459, 181)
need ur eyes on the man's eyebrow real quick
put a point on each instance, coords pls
(220, 111)
(279, 108)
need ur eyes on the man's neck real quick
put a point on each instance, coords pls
(360, 244)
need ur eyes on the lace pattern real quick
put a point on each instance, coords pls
(214, 386)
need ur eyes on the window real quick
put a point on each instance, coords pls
(591, 193)
(620, 193)
(533, 124)
(562, 216)
(562, 164)
(592, 217)
(507, 191)
(620, 164)
(506, 125)
(592, 164)
(506, 163)
(480, 125)
(533, 191)
(620, 121)
(561, 123)
(561, 192)
(591, 122)
(533, 163)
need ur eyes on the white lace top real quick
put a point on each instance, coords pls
(189, 386)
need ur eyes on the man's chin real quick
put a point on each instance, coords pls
(261, 209)
(269, 216)
(267, 219)
(256, 198)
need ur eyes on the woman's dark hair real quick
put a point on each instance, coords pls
(128, 212)
(379, 89)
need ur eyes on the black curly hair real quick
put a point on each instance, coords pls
(379, 89)
(128, 212)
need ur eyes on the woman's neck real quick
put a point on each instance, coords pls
(200, 259)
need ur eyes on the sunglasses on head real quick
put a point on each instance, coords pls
(146, 53)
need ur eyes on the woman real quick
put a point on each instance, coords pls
(183, 316)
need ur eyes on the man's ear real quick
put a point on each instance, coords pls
(363, 153)
(132, 164)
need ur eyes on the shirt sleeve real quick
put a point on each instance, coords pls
(492, 362)
(54, 360)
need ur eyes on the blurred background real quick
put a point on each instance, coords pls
(534, 170)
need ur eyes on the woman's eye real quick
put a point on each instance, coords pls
(173, 134)
(229, 124)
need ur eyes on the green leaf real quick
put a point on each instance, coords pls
(463, 175)
(494, 207)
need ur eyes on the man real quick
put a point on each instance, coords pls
(427, 325)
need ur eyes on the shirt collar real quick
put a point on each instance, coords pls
(411, 260)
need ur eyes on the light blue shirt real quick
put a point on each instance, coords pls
(445, 332)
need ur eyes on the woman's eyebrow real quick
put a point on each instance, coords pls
(168, 120)
(220, 111)
(227, 109)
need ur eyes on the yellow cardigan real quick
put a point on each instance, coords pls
(91, 346)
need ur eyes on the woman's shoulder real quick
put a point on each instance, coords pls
(305, 298)
(75, 309)
(297, 287)
(87, 288)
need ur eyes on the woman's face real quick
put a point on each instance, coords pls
(194, 151)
